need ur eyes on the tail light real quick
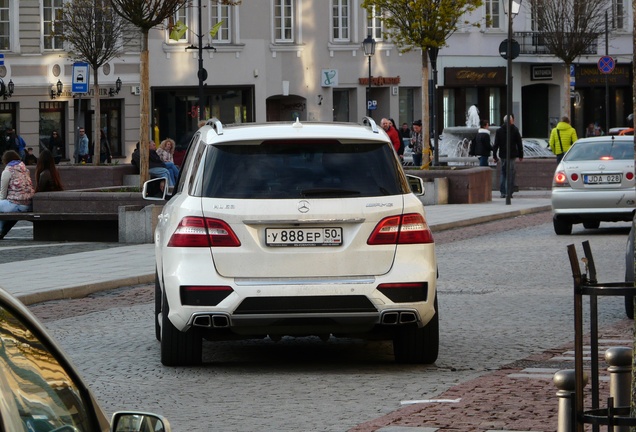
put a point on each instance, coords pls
(203, 232)
(402, 229)
(560, 179)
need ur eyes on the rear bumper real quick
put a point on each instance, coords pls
(304, 324)
(599, 205)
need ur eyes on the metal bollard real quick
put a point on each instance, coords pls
(565, 381)
(619, 360)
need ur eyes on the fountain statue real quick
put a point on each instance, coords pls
(455, 141)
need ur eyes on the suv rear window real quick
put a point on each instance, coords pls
(301, 169)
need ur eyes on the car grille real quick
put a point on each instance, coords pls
(305, 304)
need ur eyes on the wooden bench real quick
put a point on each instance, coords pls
(99, 227)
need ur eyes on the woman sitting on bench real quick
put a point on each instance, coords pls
(16, 189)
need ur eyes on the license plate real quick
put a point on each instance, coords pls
(602, 178)
(303, 236)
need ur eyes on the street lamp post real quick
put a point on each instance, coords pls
(511, 8)
(369, 50)
(202, 74)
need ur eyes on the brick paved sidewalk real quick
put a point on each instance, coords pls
(518, 397)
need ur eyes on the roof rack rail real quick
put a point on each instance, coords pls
(368, 121)
(216, 125)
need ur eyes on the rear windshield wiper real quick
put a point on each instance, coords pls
(328, 192)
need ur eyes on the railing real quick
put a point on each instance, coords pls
(532, 43)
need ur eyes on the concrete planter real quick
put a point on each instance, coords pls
(71, 204)
(466, 185)
(137, 224)
(85, 201)
(91, 176)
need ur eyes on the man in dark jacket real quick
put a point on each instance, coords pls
(499, 152)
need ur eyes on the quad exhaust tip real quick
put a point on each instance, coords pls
(398, 317)
(211, 321)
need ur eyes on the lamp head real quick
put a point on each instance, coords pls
(369, 46)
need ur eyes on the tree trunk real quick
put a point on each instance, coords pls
(565, 108)
(144, 115)
(96, 118)
(426, 127)
(633, 389)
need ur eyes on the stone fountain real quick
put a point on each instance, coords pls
(455, 141)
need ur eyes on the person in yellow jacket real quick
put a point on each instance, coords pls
(562, 138)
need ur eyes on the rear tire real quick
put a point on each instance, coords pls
(412, 344)
(157, 306)
(179, 348)
(629, 307)
(561, 227)
(591, 224)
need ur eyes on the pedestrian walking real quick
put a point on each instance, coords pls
(562, 137)
(499, 152)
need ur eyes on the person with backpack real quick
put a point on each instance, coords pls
(562, 137)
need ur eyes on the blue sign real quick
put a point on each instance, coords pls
(606, 64)
(372, 104)
(1, 59)
(80, 78)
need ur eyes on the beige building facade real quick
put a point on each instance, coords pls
(278, 60)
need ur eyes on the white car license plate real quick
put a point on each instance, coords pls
(316, 236)
(601, 178)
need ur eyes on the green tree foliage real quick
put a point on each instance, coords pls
(424, 25)
(96, 35)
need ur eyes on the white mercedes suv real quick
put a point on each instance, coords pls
(294, 229)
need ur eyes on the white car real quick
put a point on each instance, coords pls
(294, 229)
(41, 390)
(594, 183)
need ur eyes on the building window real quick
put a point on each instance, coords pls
(284, 21)
(5, 26)
(341, 109)
(340, 20)
(492, 13)
(52, 118)
(177, 26)
(52, 10)
(618, 14)
(221, 14)
(374, 23)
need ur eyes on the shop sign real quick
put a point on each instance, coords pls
(379, 81)
(329, 78)
(591, 76)
(541, 73)
(474, 77)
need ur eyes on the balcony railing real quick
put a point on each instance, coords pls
(531, 43)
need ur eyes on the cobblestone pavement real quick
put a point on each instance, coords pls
(516, 395)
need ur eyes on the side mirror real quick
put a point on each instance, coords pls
(155, 189)
(416, 184)
(138, 422)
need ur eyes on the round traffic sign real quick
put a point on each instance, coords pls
(503, 49)
(606, 64)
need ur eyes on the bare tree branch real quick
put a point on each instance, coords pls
(96, 35)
